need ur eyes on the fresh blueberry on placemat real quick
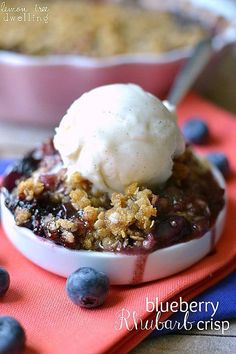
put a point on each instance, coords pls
(220, 161)
(87, 288)
(12, 336)
(4, 281)
(195, 131)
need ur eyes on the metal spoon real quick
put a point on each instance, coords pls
(201, 54)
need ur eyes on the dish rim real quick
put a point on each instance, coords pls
(20, 59)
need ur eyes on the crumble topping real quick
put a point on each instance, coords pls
(79, 199)
(22, 216)
(29, 189)
(96, 29)
(69, 212)
(132, 209)
(66, 225)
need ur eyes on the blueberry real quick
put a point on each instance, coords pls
(87, 288)
(4, 281)
(220, 161)
(27, 165)
(172, 229)
(195, 131)
(19, 168)
(12, 336)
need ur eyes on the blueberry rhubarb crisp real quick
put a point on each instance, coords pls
(94, 28)
(68, 212)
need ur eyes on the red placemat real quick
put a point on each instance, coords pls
(54, 325)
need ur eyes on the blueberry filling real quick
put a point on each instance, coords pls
(186, 206)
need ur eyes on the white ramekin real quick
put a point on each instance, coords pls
(120, 268)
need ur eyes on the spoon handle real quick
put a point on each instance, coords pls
(202, 52)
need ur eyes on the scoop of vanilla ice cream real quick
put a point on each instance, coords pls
(118, 134)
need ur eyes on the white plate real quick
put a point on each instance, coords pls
(120, 268)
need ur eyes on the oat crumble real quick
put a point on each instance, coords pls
(68, 212)
(96, 29)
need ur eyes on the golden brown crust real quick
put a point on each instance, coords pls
(79, 199)
(22, 215)
(97, 30)
(130, 214)
(29, 189)
(71, 213)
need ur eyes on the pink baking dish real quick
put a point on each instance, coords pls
(39, 89)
